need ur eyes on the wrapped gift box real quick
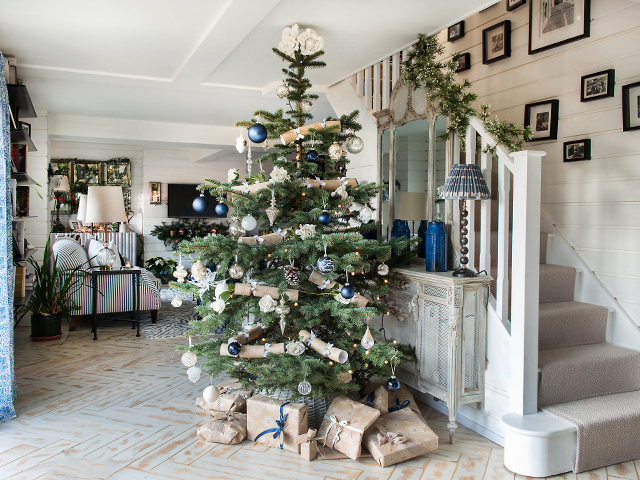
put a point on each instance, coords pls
(378, 399)
(344, 424)
(276, 423)
(399, 436)
(226, 428)
(398, 400)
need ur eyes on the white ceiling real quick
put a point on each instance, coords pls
(197, 61)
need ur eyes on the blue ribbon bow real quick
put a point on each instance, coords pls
(280, 425)
(399, 406)
(370, 399)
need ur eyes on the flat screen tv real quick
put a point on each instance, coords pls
(181, 197)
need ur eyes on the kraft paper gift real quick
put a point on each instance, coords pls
(275, 422)
(233, 398)
(344, 425)
(399, 436)
(398, 400)
(308, 445)
(378, 399)
(226, 428)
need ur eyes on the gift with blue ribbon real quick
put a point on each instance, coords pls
(276, 423)
(378, 399)
(399, 406)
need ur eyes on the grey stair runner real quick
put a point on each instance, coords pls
(583, 379)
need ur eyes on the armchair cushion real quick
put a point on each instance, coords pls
(69, 254)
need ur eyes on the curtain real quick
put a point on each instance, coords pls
(7, 376)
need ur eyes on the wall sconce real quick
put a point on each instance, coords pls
(154, 193)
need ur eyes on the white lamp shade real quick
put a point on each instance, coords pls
(60, 183)
(105, 204)
(82, 207)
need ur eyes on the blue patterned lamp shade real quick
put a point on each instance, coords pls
(465, 182)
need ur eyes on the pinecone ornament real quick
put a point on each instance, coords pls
(292, 274)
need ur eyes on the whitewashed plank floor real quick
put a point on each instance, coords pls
(122, 408)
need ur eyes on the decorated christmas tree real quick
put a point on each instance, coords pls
(295, 300)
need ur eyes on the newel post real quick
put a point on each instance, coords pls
(525, 281)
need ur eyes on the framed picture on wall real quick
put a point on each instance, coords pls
(154, 193)
(118, 172)
(464, 62)
(496, 42)
(543, 118)
(597, 85)
(556, 22)
(456, 31)
(513, 4)
(631, 107)
(87, 172)
(577, 150)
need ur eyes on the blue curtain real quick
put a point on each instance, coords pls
(7, 376)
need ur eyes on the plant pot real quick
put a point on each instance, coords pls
(173, 233)
(46, 327)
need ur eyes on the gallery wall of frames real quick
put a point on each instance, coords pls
(571, 69)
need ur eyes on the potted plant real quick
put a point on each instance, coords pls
(161, 267)
(51, 298)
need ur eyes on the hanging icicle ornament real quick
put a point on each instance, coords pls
(282, 310)
(194, 373)
(383, 269)
(272, 211)
(325, 264)
(189, 358)
(335, 151)
(282, 90)
(292, 274)
(241, 143)
(354, 145)
(198, 270)
(367, 340)
(236, 271)
(180, 272)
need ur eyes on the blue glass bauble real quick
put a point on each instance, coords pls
(257, 133)
(325, 264)
(393, 384)
(234, 348)
(324, 218)
(347, 291)
(222, 208)
(200, 205)
(312, 156)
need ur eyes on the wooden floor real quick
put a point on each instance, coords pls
(122, 408)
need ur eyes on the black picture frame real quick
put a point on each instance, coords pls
(544, 31)
(577, 150)
(597, 85)
(543, 118)
(631, 107)
(513, 4)
(455, 31)
(464, 62)
(496, 39)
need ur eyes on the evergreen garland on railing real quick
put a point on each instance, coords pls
(453, 99)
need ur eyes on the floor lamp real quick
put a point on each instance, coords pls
(465, 182)
(105, 204)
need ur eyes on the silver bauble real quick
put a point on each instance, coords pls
(176, 302)
(236, 271)
(235, 228)
(282, 90)
(198, 270)
(335, 151)
(354, 145)
(383, 269)
(189, 359)
(304, 388)
(306, 105)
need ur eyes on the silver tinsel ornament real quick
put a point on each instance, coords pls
(235, 228)
(335, 151)
(236, 271)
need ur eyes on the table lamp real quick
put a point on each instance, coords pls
(59, 183)
(105, 204)
(465, 182)
(82, 208)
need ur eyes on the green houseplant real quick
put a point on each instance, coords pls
(51, 298)
(161, 267)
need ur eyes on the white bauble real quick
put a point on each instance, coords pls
(335, 151)
(189, 359)
(198, 270)
(354, 145)
(236, 271)
(211, 394)
(194, 374)
(249, 223)
(383, 269)
(241, 144)
(306, 105)
(176, 302)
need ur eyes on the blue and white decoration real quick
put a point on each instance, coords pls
(7, 376)
(325, 264)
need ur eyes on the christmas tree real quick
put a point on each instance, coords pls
(295, 301)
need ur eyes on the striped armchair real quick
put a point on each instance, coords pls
(115, 294)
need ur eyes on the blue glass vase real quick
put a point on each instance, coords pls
(422, 234)
(436, 247)
(400, 229)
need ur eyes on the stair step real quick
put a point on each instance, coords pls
(585, 371)
(608, 428)
(568, 324)
(493, 243)
(556, 283)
